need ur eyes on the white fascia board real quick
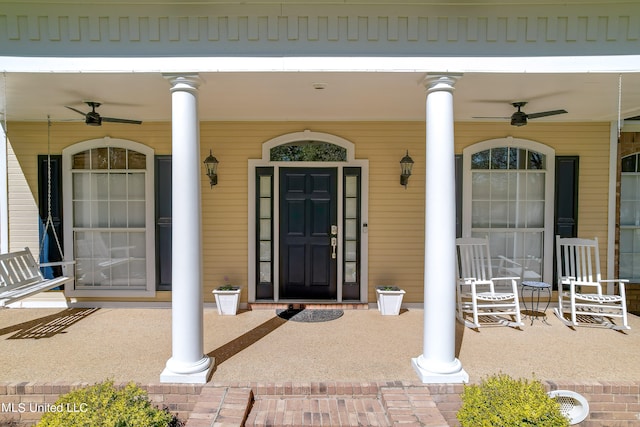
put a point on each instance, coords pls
(550, 64)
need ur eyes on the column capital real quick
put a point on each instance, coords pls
(440, 81)
(183, 82)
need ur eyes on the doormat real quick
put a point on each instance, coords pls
(309, 316)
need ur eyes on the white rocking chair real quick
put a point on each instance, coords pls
(578, 265)
(477, 295)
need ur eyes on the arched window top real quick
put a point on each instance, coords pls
(108, 158)
(308, 146)
(308, 151)
(508, 158)
(509, 153)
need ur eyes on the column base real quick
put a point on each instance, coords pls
(200, 376)
(453, 375)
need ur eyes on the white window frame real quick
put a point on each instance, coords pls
(549, 190)
(619, 216)
(67, 182)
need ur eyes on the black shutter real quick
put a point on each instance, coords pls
(458, 169)
(566, 197)
(566, 203)
(50, 252)
(163, 222)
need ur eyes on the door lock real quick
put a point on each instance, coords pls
(334, 230)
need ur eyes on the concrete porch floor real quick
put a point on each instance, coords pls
(257, 347)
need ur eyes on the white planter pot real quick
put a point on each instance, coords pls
(389, 301)
(227, 301)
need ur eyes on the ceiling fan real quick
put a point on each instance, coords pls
(519, 118)
(92, 118)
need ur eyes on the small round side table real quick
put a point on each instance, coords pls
(536, 288)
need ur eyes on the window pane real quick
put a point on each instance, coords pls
(351, 186)
(499, 158)
(480, 214)
(499, 186)
(137, 245)
(100, 214)
(99, 186)
(480, 188)
(265, 186)
(82, 246)
(138, 273)
(265, 229)
(136, 160)
(117, 158)
(351, 208)
(265, 208)
(81, 186)
(629, 163)
(350, 272)
(119, 245)
(118, 217)
(265, 272)
(136, 214)
(100, 158)
(480, 160)
(265, 250)
(81, 160)
(136, 186)
(628, 213)
(118, 186)
(350, 251)
(535, 186)
(629, 187)
(535, 214)
(499, 214)
(350, 232)
(537, 160)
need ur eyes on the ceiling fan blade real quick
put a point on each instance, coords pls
(114, 120)
(491, 117)
(546, 113)
(77, 111)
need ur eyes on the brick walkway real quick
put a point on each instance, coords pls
(316, 404)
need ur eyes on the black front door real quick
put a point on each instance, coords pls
(308, 220)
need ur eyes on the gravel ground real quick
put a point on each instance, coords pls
(361, 345)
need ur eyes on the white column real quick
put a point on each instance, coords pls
(188, 364)
(437, 363)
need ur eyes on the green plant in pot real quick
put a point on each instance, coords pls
(501, 401)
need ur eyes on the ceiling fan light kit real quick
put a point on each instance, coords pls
(93, 118)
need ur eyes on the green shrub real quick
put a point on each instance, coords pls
(501, 401)
(103, 405)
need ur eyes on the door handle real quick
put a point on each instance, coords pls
(334, 240)
(334, 244)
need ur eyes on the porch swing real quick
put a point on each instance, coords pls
(20, 274)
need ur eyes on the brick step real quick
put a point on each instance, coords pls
(336, 411)
(315, 404)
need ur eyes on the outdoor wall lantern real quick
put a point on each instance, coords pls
(406, 164)
(211, 163)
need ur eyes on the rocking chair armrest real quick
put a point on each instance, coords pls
(506, 278)
(614, 281)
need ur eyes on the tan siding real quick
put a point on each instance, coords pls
(396, 215)
(23, 210)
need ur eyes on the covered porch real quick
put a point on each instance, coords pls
(356, 356)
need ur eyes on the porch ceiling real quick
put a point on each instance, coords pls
(296, 96)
